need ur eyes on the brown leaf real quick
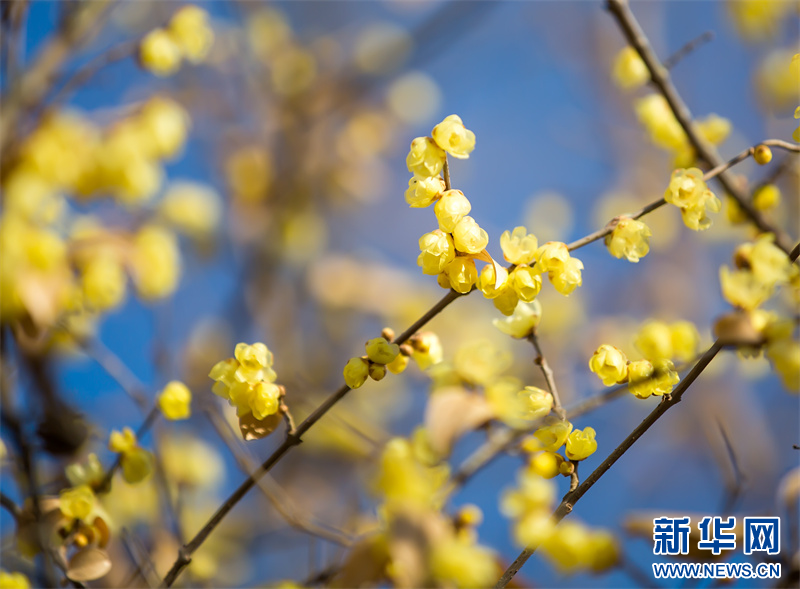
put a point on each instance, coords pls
(452, 412)
(736, 328)
(255, 429)
(88, 564)
(365, 565)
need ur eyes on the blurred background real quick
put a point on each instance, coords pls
(301, 117)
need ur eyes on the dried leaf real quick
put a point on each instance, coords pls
(365, 565)
(450, 414)
(88, 564)
(737, 329)
(254, 429)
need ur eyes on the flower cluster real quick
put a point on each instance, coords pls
(247, 381)
(174, 401)
(381, 354)
(688, 191)
(188, 36)
(630, 239)
(760, 268)
(136, 462)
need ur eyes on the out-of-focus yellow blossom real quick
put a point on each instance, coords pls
(402, 479)
(573, 547)
(784, 353)
(468, 236)
(122, 441)
(685, 340)
(156, 262)
(492, 280)
(526, 282)
(427, 349)
(581, 444)
(554, 434)
(610, 364)
(13, 581)
(629, 240)
(604, 551)
(450, 209)
(436, 252)
(460, 562)
(191, 208)
(191, 31)
(766, 198)
(506, 300)
(734, 213)
(453, 137)
(796, 132)
(191, 461)
(742, 289)
(77, 503)
(469, 515)
(379, 350)
(137, 465)
(647, 378)
(423, 191)
(159, 53)
(293, 71)
(166, 125)
(268, 31)
(519, 246)
(31, 197)
(657, 118)
(522, 322)
(695, 217)
(551, 256)
(175, 400)
(479, 361)
(757, 20)
(425, 157)
(545, 464)
(767, 261)
(356, 372)
(777, 79)
(462, 274)
(762, 155)
(533, 528)
(398, 365)
(654, 340)
(568, 277)
(249, 172)
(517, 407)
(713, 128)
(89, 473)
(534, 493)
(103, 282)
(629, 70)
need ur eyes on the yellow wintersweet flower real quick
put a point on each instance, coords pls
(190, 30)
(784, 353)
(545, 464)
(654, 112)
(506, 300)
(629, 70)
(610, 364)
(174, 401)
(103, 282)
(423, 191)
(603, 551)
(517, 407)
(165, 125)
(533, 528)
(468, 237)
(756, 20)
(13, 581)
(77, 503)
(519, 246)
(768, 262)
(714, 128)
(526, 282)
(427, 349)
(458, 561)
(522, 322)
(156, 262)
(581, 444)
(462, 274)
(480, 361)
(191, 208)
(686, 187)
(379, 350)
(629, 240)
(437, 251)
(356, 372)
(568, 277)
(554, 434)
(569, 547)
(249, 172)
(767, 197)
(551, 256)
(647, 378)
(492, 280)
(685, 340)
(137, 465)
(533, 494)
(654, 340)
(695, 217)
(453, 137)
(450, 209)
(398, 365)
(159, 53)
(122, 441)
(403, 479)
(265, 399)
(742, 289)
(425, 157)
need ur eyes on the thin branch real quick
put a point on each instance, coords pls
(446, 173)
(116, 369)
(549, 378)
(691, 46)
(660, 76)
(8, 504)
(571, 498)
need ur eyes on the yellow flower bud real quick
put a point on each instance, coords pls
(489, 283)
(174, 401)
(629, 240)
(526, 282)
(190, 29)
(165, 124)
(522, 321)
(468, 237)
(629, 70)
(103, 283)
(462, 274)
(545, 464)
(610, 364)
(647, 378)
(519, 246)
(766, 198)
(581, 444)
(137, 465)
(437, 251)
(377, 371)
(265, 399)
(423, 191)
(506, 301)
(450, 209)
(551, 256)
(159, 54)
(654, 340)
(568, 278)
(762, 155)
(77, 503)
(381, 351)
(122, 441)
(453, 137)
(554, 434)
(398, 365)
(425, 158)
(356, 372)
(192, 208)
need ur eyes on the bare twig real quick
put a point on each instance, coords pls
(541, 361)
(692, 45)
(571, 498)
(116, 369)
(8, 504)
(446, 173)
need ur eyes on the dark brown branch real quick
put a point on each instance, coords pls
(549, 378)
